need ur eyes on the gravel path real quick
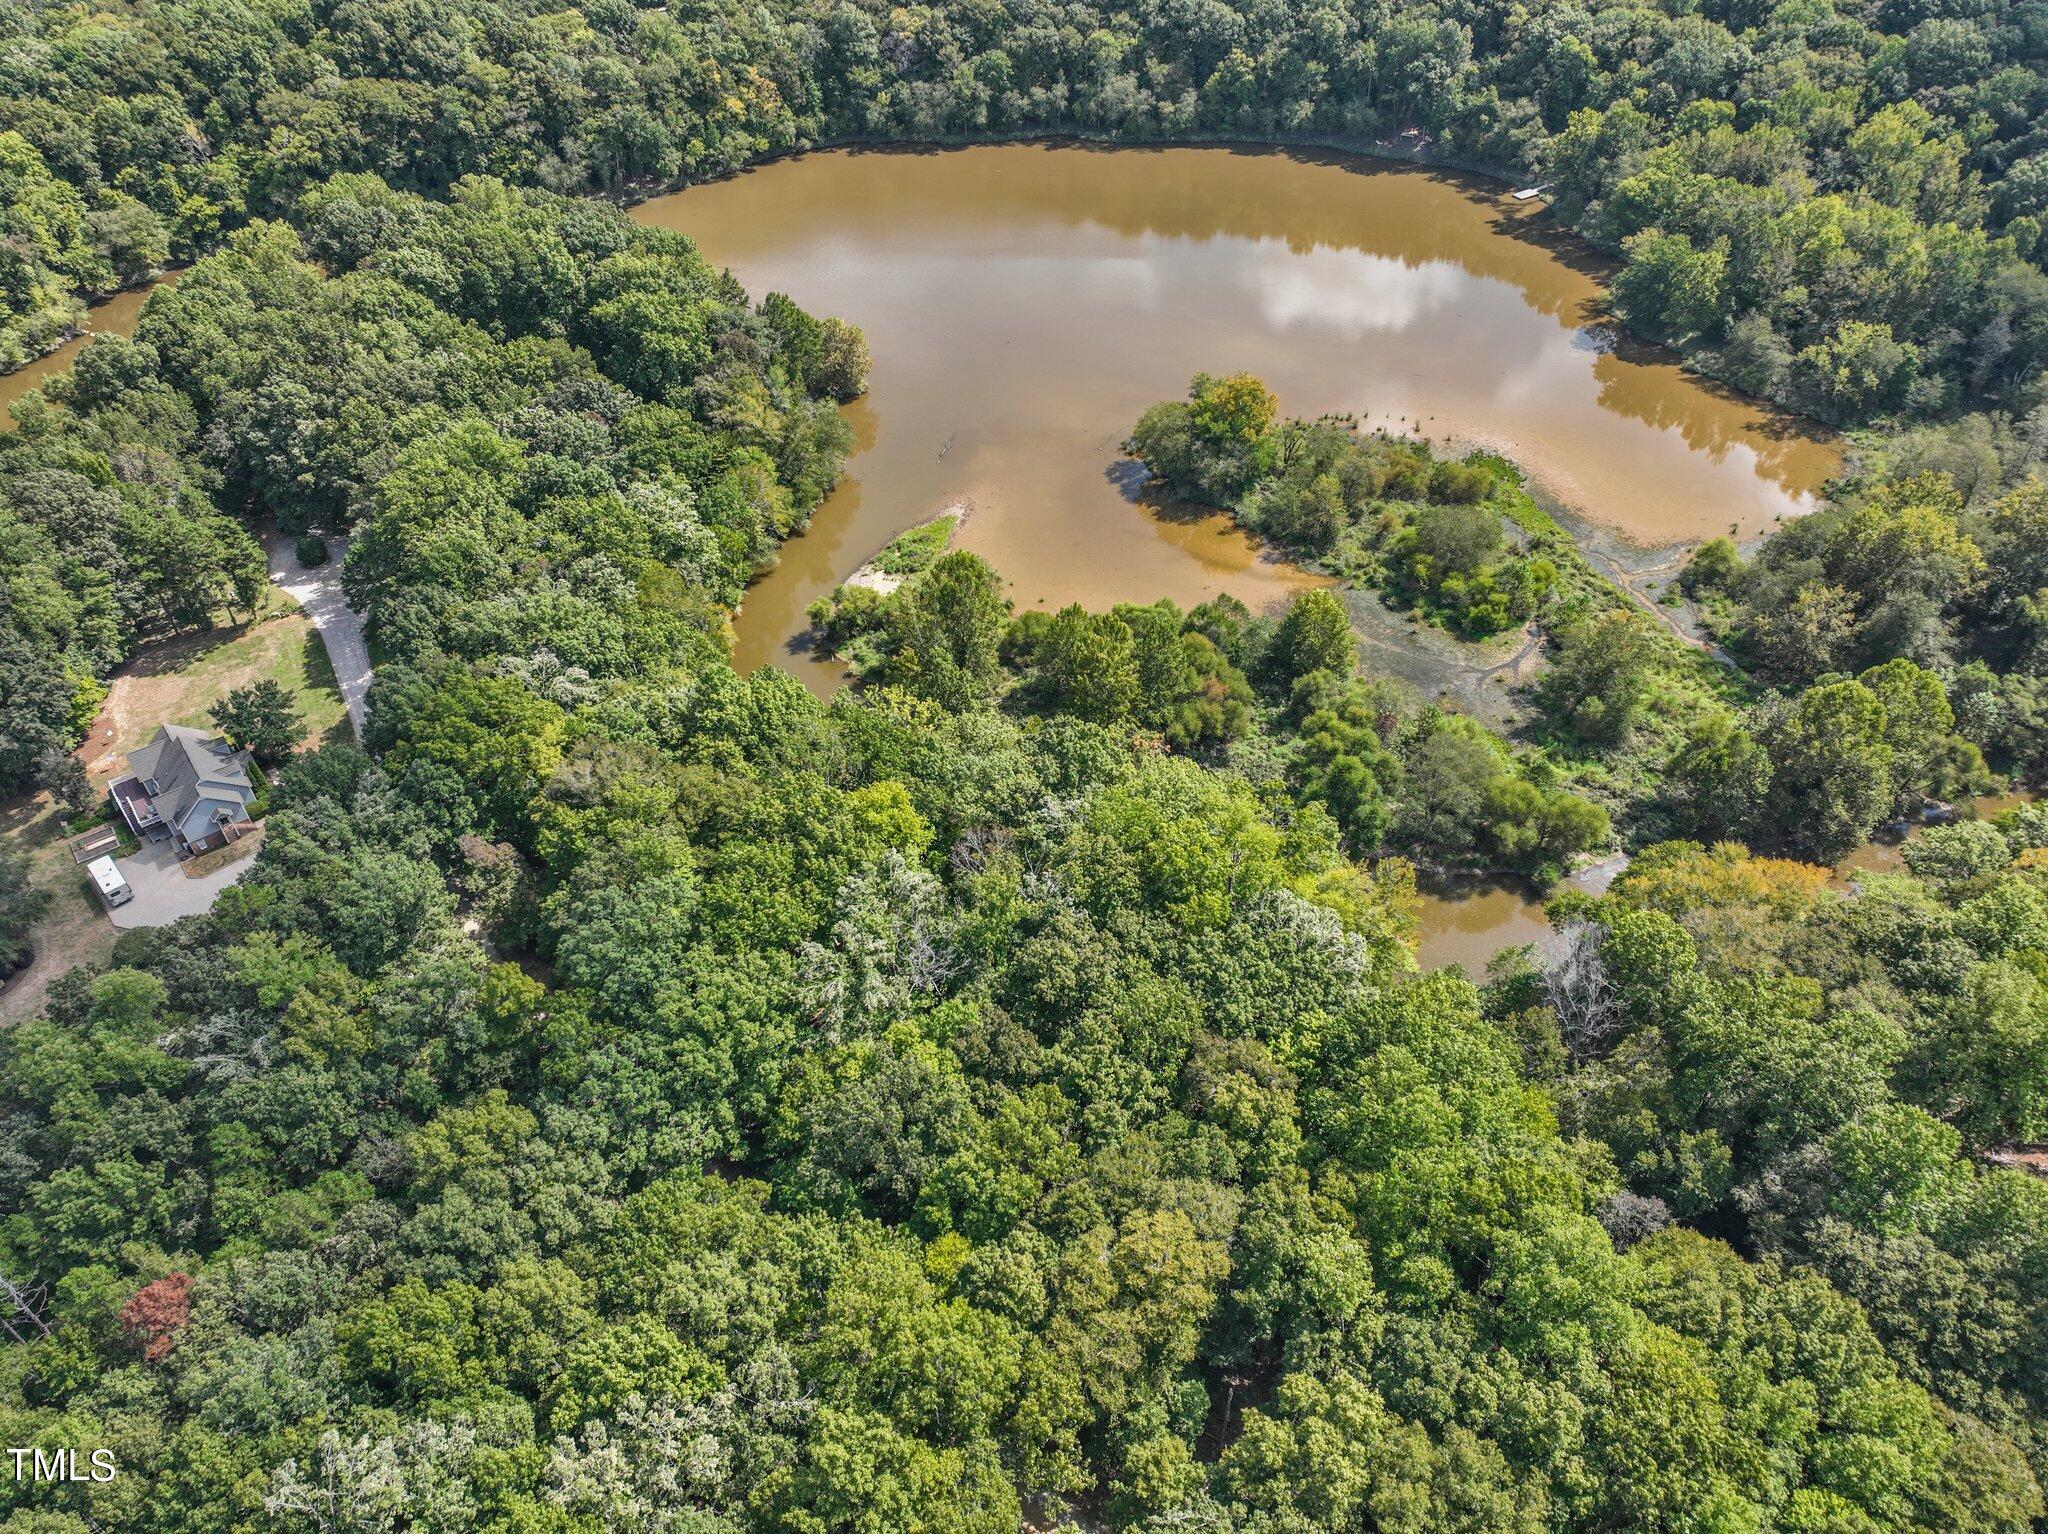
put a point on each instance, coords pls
(318, 591)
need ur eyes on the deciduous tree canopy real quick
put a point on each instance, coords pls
(1840, 207)
(629, 1094)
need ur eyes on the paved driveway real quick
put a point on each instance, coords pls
(163, 893)
(318, 591)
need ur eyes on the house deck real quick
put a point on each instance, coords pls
(141, 815)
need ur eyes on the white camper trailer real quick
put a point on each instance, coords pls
(113, 888)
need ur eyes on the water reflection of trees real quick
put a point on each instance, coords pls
(1710, 418)
(1303, 198)
(1034, 218)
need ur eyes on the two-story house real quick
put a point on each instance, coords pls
(188, 785)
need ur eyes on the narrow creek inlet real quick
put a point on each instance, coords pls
(115, 316)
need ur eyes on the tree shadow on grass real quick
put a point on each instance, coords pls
(160, 657)
(19, 814)
(319, 668)
(320, 678)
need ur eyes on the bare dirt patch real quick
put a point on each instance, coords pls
(177, 680)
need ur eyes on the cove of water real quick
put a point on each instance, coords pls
(115, 316)
(1025, 303)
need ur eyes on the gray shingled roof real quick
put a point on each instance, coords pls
(189, 765)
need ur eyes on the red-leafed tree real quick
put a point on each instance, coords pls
(156, 1313)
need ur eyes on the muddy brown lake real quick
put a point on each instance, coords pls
(1024, 303)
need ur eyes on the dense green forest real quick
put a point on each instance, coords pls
(1839, 206)
(628, 1095)
(1904, 568)
(1875, 717)
(1279, 701)
(108, 505)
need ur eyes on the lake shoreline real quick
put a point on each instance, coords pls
(93, 303)
(1381, 150)
(1361, 269)
(1561, 237)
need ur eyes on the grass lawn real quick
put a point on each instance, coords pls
(75, 929)
(171, 681)
(175, 681)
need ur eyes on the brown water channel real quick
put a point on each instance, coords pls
(1025, 303)
(117, 317)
